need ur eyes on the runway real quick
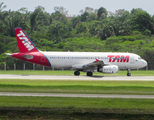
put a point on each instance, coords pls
(60, 77)
(78, 95)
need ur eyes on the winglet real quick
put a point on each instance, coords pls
(24, 42)
(96, 60)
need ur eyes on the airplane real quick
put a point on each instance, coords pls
(104, 62)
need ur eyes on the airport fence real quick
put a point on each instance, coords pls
(28, 66)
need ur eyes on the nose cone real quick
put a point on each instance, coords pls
(144, 63)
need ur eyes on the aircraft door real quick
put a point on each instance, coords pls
(132, 59)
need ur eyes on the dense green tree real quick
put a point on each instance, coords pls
(58, 31)
(2, 7)
(120, 22)
(148, 55)
(61, 10)
(94, 28)
(83, 27)
(102, 13)
(135, 11)
(12, 20)
(84, 16)
(106, 30)
(37, 18)
(25, 15)
(84, 44)
(57, 16)
(75, 21)
(89, 14)
(142, 21)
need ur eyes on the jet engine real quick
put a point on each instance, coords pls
(108, 69)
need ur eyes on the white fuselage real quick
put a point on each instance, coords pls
(77, 59)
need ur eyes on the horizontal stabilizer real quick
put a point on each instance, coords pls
(8, 54)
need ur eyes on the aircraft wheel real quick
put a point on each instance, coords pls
(89, 74)
(128, 74)
(76, 73)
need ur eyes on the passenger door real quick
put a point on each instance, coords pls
(132, 59)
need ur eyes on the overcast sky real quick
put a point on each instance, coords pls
(74, 6)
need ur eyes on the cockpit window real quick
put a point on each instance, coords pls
(139, 58)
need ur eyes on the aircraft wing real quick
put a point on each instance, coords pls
(94, 64)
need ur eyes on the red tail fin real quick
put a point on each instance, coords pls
(24, 42)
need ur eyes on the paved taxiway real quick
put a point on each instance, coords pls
(78, 95)
(60, 77)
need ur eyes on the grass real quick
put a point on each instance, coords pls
(75, 108)
(77, 103)
(69, 114)
(50, 72)
(81, 86)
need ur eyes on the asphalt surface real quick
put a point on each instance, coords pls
(78, 95)
(54, 77)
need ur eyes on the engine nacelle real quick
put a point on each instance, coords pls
(111, 69)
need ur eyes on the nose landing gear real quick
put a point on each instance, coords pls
(128, 74)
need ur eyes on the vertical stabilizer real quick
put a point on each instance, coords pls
(24, 42)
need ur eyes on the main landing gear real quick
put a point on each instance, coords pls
(77, 73)
(128, 74)
(89, 74)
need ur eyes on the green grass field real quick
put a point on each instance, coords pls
(81, 86)
(50, 72)
(82, 103)
(75, 108)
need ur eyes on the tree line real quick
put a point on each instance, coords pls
(96, 30)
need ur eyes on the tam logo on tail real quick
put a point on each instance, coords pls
(24, 42)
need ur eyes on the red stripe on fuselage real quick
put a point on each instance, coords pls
(33, 57)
